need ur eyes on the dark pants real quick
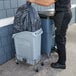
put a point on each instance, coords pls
(62, 20)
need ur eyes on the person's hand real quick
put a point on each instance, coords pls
(32, 1)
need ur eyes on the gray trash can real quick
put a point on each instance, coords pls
(7, 50)
(28, 46)
(48, 36)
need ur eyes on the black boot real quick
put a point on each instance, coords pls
(57, 65)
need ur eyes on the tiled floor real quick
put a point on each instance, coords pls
(11, 69)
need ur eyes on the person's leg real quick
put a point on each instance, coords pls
(58, 18)
(61, 39)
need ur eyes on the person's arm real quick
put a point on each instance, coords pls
(43, 2)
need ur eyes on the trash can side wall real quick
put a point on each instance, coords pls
(7, 51)
(47, 36)
(27, 46)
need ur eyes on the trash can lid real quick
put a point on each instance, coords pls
(46, 13)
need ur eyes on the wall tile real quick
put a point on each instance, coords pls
(1, 5)
(13, 3)
(2, 14)
(21, 2)
(10, 12)
(6, 4)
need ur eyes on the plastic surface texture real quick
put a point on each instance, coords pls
(48, 36)
(7, 50)
(28, 46)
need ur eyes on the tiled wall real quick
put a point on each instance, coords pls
(8, 7)
(75, 15)
(73, 1)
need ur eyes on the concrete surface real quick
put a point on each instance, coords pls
(11, 69)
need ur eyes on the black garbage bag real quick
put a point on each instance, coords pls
(26, 19)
